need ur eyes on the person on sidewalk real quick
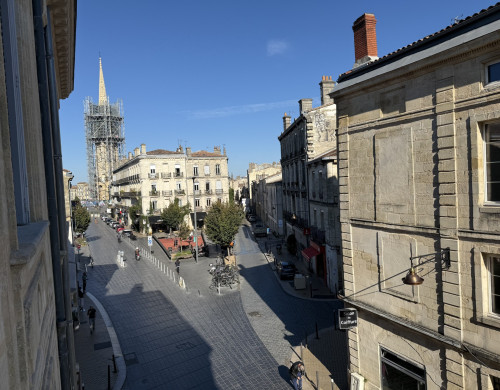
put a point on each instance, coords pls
(297, 370)
(80, 298)
(177, 266)
(91, 314)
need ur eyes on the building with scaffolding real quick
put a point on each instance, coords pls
(105, 137)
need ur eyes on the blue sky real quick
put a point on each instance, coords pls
(206, 73)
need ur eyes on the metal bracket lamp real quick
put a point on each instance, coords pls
(412, 278)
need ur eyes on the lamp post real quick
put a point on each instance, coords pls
(195, 235)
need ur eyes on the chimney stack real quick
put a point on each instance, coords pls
(136, 152)
(286, 121)
(143, 148)
(365, 39)
(188, 151)
(305, 105)
(130, 155)
(326, 87)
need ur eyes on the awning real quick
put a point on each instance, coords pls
(310, 252)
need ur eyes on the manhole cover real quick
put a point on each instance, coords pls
(254, 314)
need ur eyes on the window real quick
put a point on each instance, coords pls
(217, 169)
(197, 202)
(178, 185)
(322, 219)
(207, 186)
(180, 202)
(154, 205)
(399, 373)
(494, 268)
(207, 170)
(196, 186)
(495, 382)
(195, 170)
(153, 187)
(493, 72)
(492, 161)
(209, 201)
(15, 109)
(177, 170)
(152, 169)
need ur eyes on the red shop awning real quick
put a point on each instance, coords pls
(309, 252)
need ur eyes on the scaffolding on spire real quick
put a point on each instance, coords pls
(105, 137)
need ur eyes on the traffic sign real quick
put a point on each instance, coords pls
(150, 240)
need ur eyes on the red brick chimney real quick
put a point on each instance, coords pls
(365, 39)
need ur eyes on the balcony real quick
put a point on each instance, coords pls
(154, 193)
(131, 194)
(197, 192)
(167, 193)
(219, 192)
(153, 175)
(207, 173)
(208, 192)
(179, 192)
(198, 209)
(178, 174)
(166, 175)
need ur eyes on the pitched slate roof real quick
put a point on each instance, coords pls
(426, 41)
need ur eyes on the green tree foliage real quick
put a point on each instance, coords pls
(81, 217)
(184, 232)
(231, 194)
(173, 215)
(222, 222)
(134, 212)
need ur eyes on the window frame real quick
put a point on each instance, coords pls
(491, 276)
(486, 72)
(485, 164)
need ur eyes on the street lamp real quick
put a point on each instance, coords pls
(412, 279)
(195, 235)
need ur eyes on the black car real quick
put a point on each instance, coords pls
(286, 270)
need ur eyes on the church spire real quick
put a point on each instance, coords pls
(103, 99)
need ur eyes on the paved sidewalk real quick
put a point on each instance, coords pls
(94, 352)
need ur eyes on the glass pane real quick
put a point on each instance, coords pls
(493, 151)
(495, 304)
(495, 382)
(495, 288)
(494, 72)
(494, 192)
(393, 379)
(495, 266)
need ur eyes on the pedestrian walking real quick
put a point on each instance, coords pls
(84, 281)
(297, 370)
(80, 298)
(177, 266)
(91, 314)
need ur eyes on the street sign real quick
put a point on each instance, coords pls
(150, 240)
(195, 239)
(348, 318)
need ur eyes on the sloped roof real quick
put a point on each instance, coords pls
(428, 40)
(161, 151)
(204, 153)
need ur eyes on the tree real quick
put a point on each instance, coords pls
(184, 232)
(231, 194)
(174, 214)
(134, 212)
(81, 217)
(222, 222)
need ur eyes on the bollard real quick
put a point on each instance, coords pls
(109, 377)
(301, 352)
(199, 293)
(306, 338)
(317, 379)
(114, 364)
(332, 383)
(317, 334)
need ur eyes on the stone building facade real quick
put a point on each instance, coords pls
(308, 137)
(158, 177)
(36, 71)
(418, 153)
(256, 173)
(268, 199)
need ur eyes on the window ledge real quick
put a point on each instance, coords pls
(29, 237)
(491, 209)
(489, 320)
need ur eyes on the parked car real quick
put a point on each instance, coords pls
(260, 230)
(251, 218)
(286, 270)
(129, 233)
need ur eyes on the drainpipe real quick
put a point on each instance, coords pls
(61, 319)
